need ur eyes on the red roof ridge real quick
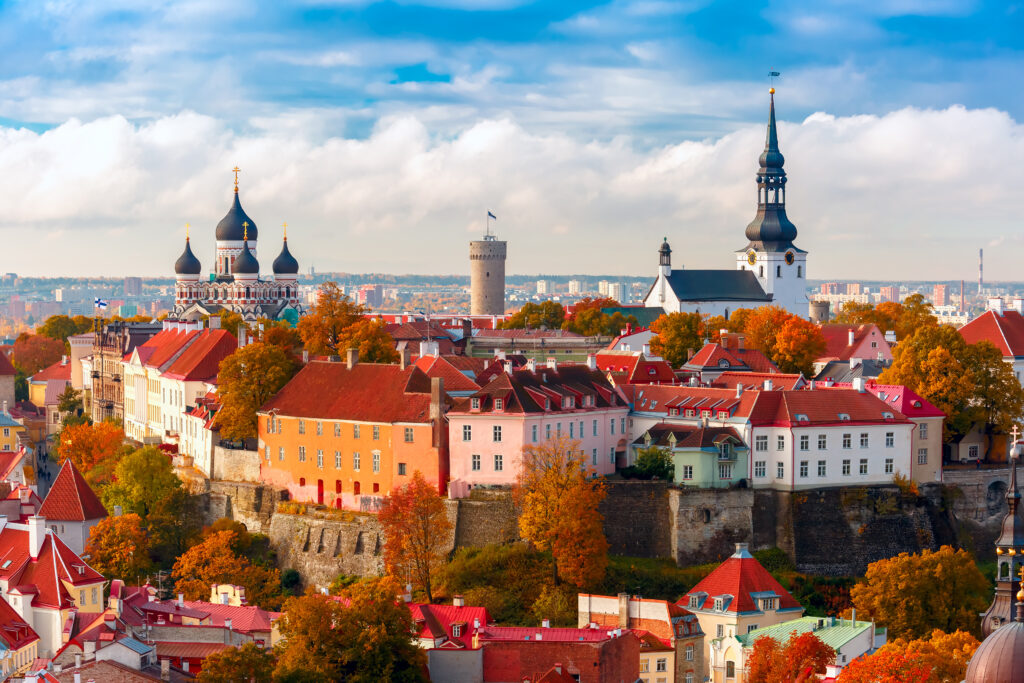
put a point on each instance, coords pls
(70, 498)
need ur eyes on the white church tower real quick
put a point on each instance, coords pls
(780, 267)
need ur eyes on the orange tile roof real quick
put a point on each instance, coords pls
(837, 338)
(61, 370)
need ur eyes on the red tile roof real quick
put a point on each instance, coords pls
(70, 498)
(524, 391)
(163, 346)
(244, 618)
(460, 373)
(417, 330)
(436, 621)
(106, 670)
(837, 339)
(369, 391)
(6, 368)
(14, 631)
(552, 635)
(189, 650)
(789, 408)
(715, 356)
(1005, 330)
(47, 575)
(660, 398)
(9, 461)
(756, 380)
(738, 577)
(637, 368)
(901, 398)
(61, 370)
(527, 334)
(201, 360)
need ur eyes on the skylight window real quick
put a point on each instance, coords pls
(844, 417)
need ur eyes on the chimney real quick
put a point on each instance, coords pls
(407, 595)
(23, 493)
(859, 384)
(241, 338)
(739, 389)
(305, 356)
(430, 348)
(181, 599)
(165, 669)
(117, 511)
(501, 355)
(214, 322)
(552, 363)
(723, 338)
(647, 350)
(507, 364)
(850, 336)
(78, 662)
(36, 535)
(467, 328)
(768, 385)
(531, 364)
(458, 601)
(405, 357)
(545, 623)
(5, 407)
(351, 358)
(476, 623)
(436, 399)
(813, 385)
(538, 636)
(591, 362)
(624, 609)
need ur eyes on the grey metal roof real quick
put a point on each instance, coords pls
(135, 645)
(716, 285)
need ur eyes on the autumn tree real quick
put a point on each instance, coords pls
(713, 326)
(558, 501)
(416, 529)
(547, 314)
(143, 478)
(800, 659)
(998, 400)
(323, 329)
(588, 319)
(214, 561)
(280, 333)
(60, 327)
(676, 335)
(762, 328)
(738, 320)
(71, 408)
(119, 547)
(89, 447)
(230, 320)
(372, 341)
(32, 353)
(655, 462)
(246, 380)
(364, 636)
(912, 595)
(798, 344)
(249, 663)
(946, 654)
(905, 318)
(887, 667)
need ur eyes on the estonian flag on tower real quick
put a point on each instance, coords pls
(100, 303)
(491, 215)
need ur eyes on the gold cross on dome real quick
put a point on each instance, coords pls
(187, 226)
(285, 226)
(236, 170)
(245, 234)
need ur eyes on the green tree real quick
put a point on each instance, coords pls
(143, 478)
(246, 380)
(246, 664)
(998, 396)
(655, 462)
(676, 335)
(547, 315)
(323, 329)
(61, 327)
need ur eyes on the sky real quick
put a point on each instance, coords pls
(383, 132)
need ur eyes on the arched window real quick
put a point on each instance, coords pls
(799, 271)
(246, 292)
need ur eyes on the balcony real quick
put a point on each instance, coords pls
(726, 454)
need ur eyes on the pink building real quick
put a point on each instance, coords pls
(519, 408)
(853, 343)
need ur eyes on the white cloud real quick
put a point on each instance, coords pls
(905, 195)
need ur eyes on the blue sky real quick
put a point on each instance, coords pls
(443, 108)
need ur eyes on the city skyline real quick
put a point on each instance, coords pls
(383, 133)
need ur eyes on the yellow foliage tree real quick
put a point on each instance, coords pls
(912, 595)
(118, 547)
(323, 328)
(947, 654)
(558, 500)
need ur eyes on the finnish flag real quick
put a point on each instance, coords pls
(100, 303)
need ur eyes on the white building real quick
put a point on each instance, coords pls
(575, 287)
(769, 270)
(543, 287)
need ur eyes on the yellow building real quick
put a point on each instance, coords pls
(739, 596)
(11, 432)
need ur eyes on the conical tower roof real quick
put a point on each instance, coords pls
(771, 229)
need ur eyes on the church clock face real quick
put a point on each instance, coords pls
(789, 258)
(752, 257)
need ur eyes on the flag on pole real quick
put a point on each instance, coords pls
(491, 215)
(100, 303)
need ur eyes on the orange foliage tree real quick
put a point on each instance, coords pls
(214, 561)
(798, 344)
(799, 659)
(374, 343)
(416, 530)
(947, 654)
(887, 667)
(91, 448)
(762, 327)
(323, 329)
(247, 664)
(33, 352)
(676, 335)
(558, 502)
(246, 380)
(118, 547)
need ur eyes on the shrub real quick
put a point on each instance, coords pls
(557, 603)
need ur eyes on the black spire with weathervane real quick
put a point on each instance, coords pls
(771, 229)
(1009, 553)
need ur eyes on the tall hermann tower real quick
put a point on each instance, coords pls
(487, 276)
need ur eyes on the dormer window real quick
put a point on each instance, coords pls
(547, 404)
(673, 412)
(800, 417)
(456, 630)
(499, 404)
(705, 413)
(474, 403)
(844, 417)
(694, 601)
(718, 604)
(887, 416)
(689, 412)
(722, 414)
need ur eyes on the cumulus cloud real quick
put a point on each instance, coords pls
(911, 194)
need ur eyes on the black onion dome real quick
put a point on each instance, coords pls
(187, 263)
(245, 263)
(285, 263)
(231, 228)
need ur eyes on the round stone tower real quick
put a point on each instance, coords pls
(487, 276)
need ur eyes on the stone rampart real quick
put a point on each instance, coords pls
(706, 524)
(230, 464)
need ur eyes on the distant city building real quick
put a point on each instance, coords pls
(770, 270)
(890, 293)
(133, 286)
(615, 292)
(575, 287)
(487, 276)
(853, 288)
(940, 295)
(602, 288)
(235, 284)
(371, 296)
(543, 287)
(829, 288)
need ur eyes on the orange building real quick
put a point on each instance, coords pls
(344, 434)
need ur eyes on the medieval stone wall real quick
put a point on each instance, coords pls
(706, 524)
(251, 504)
(231, 464)
(321, 549)
(637, 519)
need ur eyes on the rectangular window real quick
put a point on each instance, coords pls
(661, 664)
(846, 468)
(645, 666)
(863, 439)
(821, 468)
(780, 443)
(890, 439)
(496, 434)
(533, 433)
(499, 463)
(847, 440)
(376, 432)
(355, 462)
(689, 653)
(474, 403)
(922, 456)
(805, 443)
(355, 431)
(572, 431)
(401, 469)
(724, 471)
(266, 453)
(761, 443)
(622, 425)
(319, 458)
(780, 470)
(337, 460)
(499, 404)
(720, 631)
(319, 428)
(687, 471)
(302, 426)
(760, 468)
(302, 454)
(467, 432)
(280, 453)
(972, 452)
(888, 466)
(822, 442)
(408, 434)
(376, 461)
(689, 678)
(922, 430)
(863, 465)
(476, 462)
(595, 427)
(270, 426)
(803, 468)
(594, 458)
(337, 429)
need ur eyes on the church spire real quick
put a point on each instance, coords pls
(1009, 552)
(771, 229)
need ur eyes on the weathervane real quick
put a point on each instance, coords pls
(772, 75)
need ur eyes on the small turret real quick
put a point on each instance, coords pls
(245, 267)
(285, 265)
(187, 267)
